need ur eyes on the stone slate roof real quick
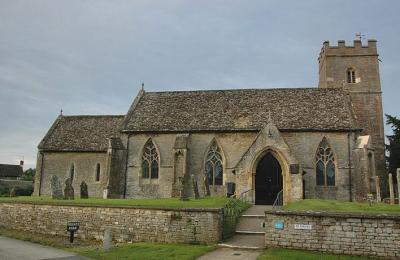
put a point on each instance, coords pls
(10, 170)
(81, 133)
(237, 110)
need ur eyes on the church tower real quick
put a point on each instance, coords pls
(356, 70)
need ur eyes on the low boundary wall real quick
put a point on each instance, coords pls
(126, 223)
(339, 233)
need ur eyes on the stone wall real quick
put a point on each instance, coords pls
(59, 163)
(339, 233)
(302, 146)
(126, 223)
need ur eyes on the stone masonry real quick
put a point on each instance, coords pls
(126, 223)
(338, 233)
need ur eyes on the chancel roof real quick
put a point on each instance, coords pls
(316, 109)
(81, 133)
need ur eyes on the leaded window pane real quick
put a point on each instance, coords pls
(330, 174)
(145, 169)
(218, 173)
(209, 172)
(154, 170)
(320, 173)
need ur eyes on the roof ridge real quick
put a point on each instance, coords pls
(245, 89)
(93, 115)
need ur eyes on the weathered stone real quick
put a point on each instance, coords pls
(107, 239)
(12, 192)
(195, 189)
(84, 190)
(56, 189)
(398, 183)
(69, 190)
(391, 192)
(378, 189)
(206, 186)
(127, 224)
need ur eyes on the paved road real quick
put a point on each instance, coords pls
(13, 249)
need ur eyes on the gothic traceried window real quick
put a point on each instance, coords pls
(351, 76)
(325, 164)
(150, 161)
(213, 165)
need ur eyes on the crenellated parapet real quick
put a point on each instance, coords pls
(357, 49)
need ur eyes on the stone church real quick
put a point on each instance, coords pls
(322, 142)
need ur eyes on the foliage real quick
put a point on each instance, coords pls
(393, 147)
(29, 175)
(149, 251)
(231, 214)
(289, 254)
(209, 202)
(342, 206)
(19, 191)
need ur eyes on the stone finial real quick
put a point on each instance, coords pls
(61, 112)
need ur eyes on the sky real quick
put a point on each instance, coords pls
(91, 56)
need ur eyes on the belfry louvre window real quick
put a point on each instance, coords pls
(325, 164)
(213, 165)
(150, 161)
(351, 76)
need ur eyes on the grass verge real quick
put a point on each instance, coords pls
(149, 251)
(342, 206)
(289, 254)
(92, 249)
(209, 202)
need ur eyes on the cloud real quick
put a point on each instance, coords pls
(89, 57)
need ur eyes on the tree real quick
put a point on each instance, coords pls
(29, 174)
(393, 147)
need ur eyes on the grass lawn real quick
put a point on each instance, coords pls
(289, 254)
(342, 206)
(125, 251)
(210, 202)
(149, 251)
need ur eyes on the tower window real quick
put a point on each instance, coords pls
(325, 164)
(351, 76)
(98, 172)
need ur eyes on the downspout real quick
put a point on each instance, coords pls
(126, 166)
(350, 165)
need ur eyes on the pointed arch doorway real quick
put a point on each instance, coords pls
(268, 180)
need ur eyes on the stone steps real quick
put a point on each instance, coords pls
(250, 233)
(245, 241)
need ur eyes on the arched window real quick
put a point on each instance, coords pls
(150, 161)
(98, 172)
(325, 164)
(72, 172)
(351, 75)
(213, 165)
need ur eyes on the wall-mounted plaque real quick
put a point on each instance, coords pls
(294, 168)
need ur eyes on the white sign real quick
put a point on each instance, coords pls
(302, 226)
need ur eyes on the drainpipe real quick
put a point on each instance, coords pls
(126, 166)
(349, 164)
